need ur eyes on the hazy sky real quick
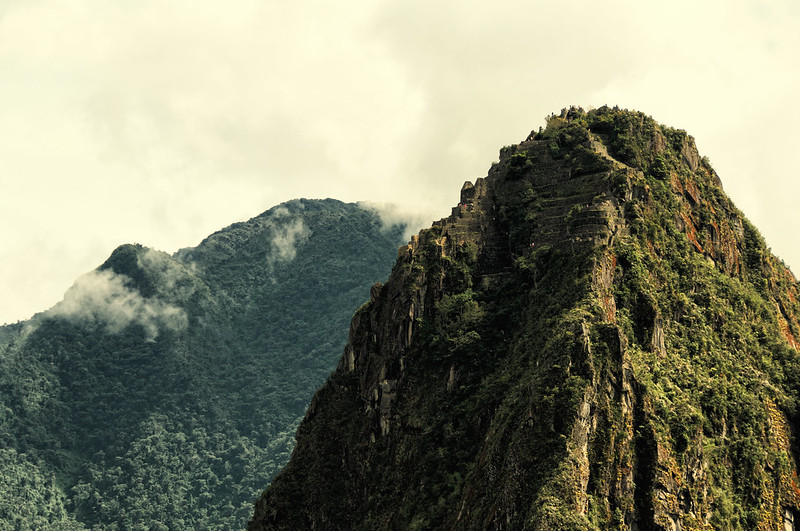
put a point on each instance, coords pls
(159, 122)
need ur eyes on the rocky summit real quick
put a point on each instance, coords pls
(595, 338)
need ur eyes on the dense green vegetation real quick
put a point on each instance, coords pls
(164, 392)
(694, 272)
(725, 362)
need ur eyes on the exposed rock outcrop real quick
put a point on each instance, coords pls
(595, 338)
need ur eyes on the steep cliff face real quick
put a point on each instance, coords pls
(594, 338)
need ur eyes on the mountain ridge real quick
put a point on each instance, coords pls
(164, 390)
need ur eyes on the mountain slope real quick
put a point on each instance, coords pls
(596, 338)
(163, 391)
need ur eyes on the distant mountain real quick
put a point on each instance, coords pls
(596, 338)
(164, 391)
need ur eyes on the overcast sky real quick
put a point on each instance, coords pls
(159, 122)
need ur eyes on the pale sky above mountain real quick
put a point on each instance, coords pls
(159, 122)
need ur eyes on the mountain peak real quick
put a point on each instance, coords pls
(594, 338)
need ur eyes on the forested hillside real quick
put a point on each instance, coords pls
(163, 392)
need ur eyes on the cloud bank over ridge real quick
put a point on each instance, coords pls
(106, 299)
(392, 214)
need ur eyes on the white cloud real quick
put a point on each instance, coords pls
(175, 280)
(105, 298)
(412, 218)
(285, 235)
